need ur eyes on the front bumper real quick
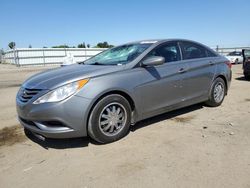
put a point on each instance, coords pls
(64, 119)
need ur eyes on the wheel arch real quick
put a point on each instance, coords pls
(224, 79)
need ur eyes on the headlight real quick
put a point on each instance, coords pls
(62, 92)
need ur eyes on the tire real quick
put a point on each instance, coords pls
(217, 93)
(236, 61)
(247, 77)
(110, 119)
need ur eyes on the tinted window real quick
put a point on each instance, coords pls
(192, 51)
(235, 54)
(211, 53)
(170, 51)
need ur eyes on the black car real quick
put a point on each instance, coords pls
(246, 63)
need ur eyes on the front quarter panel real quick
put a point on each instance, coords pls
(125, 81)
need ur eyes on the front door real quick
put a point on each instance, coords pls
(161, 87)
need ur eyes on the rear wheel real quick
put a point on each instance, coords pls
(217, 93)
(110, 119)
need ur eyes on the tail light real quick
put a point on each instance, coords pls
(229, 64)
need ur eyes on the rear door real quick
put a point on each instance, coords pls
(201, 69)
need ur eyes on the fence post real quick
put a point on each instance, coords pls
(85, 54)
(15, 57)
(14, 54)
(65, 52)
(43, 58)
(217, 48)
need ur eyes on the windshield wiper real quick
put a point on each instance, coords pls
(97, 63)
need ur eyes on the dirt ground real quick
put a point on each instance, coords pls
(193, 147)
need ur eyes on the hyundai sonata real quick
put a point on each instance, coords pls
(104, 95)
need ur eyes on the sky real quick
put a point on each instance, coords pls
(48, 23)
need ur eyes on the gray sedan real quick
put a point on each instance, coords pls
(104, 95)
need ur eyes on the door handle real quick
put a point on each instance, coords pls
(182, 70)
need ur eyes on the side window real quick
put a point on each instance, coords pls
(170, 51)
(193, 51)
(211, 53)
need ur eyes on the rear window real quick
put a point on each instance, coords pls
(192, 51)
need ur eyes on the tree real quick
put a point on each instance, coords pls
(30, 46)
(104, 45)
(61, 46)
(12, 45)
(88, 45)
(82, 45)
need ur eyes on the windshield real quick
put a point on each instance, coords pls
(118, 55)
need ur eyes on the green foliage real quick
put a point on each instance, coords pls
(104, 45)
(12, 45)
(61, 46)
(82, 45)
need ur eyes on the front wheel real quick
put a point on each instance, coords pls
(217, 94)
(110, 119)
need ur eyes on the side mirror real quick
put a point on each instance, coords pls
(153, 61)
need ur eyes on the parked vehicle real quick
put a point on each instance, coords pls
(104, 95)
(246, 63)
(235, 57)
(1, 56)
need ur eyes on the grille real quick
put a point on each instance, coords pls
(25, 94)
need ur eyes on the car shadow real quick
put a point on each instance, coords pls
(61, 143)
(152, 70)
(85, 141)
(165, 116)
(241, 78)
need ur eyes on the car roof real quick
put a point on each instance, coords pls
(158, 41)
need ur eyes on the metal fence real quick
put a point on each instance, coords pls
(225, 51)
(48, 56)
(45, 56)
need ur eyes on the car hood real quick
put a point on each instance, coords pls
(60, 76)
